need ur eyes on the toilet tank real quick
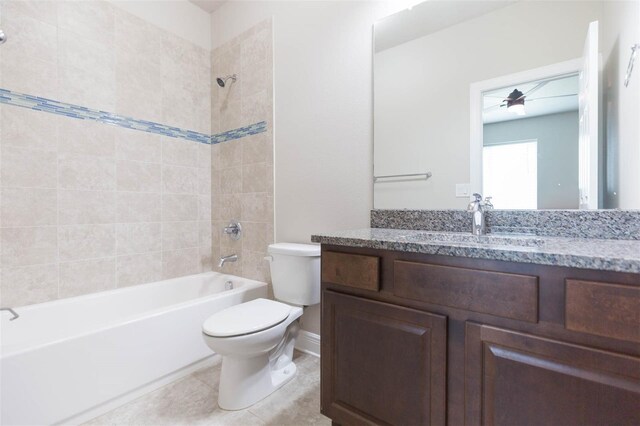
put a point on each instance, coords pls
(295, 273)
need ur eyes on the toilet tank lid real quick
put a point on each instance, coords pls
(295, 249)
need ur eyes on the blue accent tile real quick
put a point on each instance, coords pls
(51, 106)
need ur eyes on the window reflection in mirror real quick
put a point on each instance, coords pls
(530, 144)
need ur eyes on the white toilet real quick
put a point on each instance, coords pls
(256, 338)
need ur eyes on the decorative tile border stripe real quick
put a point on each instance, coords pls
(74, 111)
(241, 132)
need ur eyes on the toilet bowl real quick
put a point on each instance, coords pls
(256, 338)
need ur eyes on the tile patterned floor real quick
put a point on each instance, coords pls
(192, 400)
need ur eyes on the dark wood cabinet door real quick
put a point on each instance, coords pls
(513, 378)
(382, 364)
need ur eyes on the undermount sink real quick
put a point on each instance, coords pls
(488, 239)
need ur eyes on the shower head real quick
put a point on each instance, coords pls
(3, 37)
(222, 81)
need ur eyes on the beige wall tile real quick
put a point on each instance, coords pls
(204, 207)
(255, 177)
(180, 180)
(138, 146)
(28, 207)
(138, 269)
(86, 172)
(94, 20)
(256, 108)
(30, 38)
(176, 263)
(28, 245)
(135, 238)
(138, 86)
(95, 57)
(230, 154)
(254, 266)
(86, 207)
(257, 148)
(179, 152)
(204, 156)
(179, 235)
(29, 285)
(231, 180)
(230, 207)
(178, 207)
(46, 11)
(82, 87)
(27, 128)
(85, 137)
(78, 242)
(87, 276)
(28, 168)
(257, 236)
(204, 233)
(257, 208)
(31, 76)
(138, 207)
(138, 176)
(206, 259)
(204, 181)
(215, 182)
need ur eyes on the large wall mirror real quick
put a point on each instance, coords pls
(522, 101)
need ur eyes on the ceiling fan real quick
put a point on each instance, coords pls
(515, 101)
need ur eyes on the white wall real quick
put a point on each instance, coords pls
(621, 29)
(323, 113)
(180, 17)
(422, 92)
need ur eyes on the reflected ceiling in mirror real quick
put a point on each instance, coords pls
(427, 59)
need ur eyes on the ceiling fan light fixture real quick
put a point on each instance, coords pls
(515, 102)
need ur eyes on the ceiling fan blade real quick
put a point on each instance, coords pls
(551, 97)
(537, 87)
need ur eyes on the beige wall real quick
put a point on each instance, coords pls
(323, 116)
(85, 206)
(242, 169)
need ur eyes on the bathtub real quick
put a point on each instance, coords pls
(69, 360)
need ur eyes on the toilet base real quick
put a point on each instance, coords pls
(245, 381)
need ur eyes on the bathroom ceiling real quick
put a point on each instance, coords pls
(208, 5)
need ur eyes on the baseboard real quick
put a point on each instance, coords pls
(308, 343)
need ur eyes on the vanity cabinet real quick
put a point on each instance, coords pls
(412, 339)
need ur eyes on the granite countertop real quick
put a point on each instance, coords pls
(588, 253)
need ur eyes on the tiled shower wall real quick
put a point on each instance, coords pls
(242, 169)
(86, 206)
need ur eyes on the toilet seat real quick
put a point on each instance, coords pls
(246, 318)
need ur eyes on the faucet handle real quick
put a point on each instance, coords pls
(487, 203)
(475, 204)
(478, 197)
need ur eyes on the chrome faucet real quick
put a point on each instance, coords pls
(14, 313)
(477, 207)
(225, 259)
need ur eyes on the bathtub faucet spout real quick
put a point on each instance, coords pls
(225, 259)
(14, 313)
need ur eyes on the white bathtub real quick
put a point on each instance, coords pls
(71, 359)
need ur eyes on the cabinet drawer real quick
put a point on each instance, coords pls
(604, 309)
(496, 293)
(353, 270)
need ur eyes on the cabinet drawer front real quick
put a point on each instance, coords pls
(496, 293)
(353, 270)
(603, 309)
